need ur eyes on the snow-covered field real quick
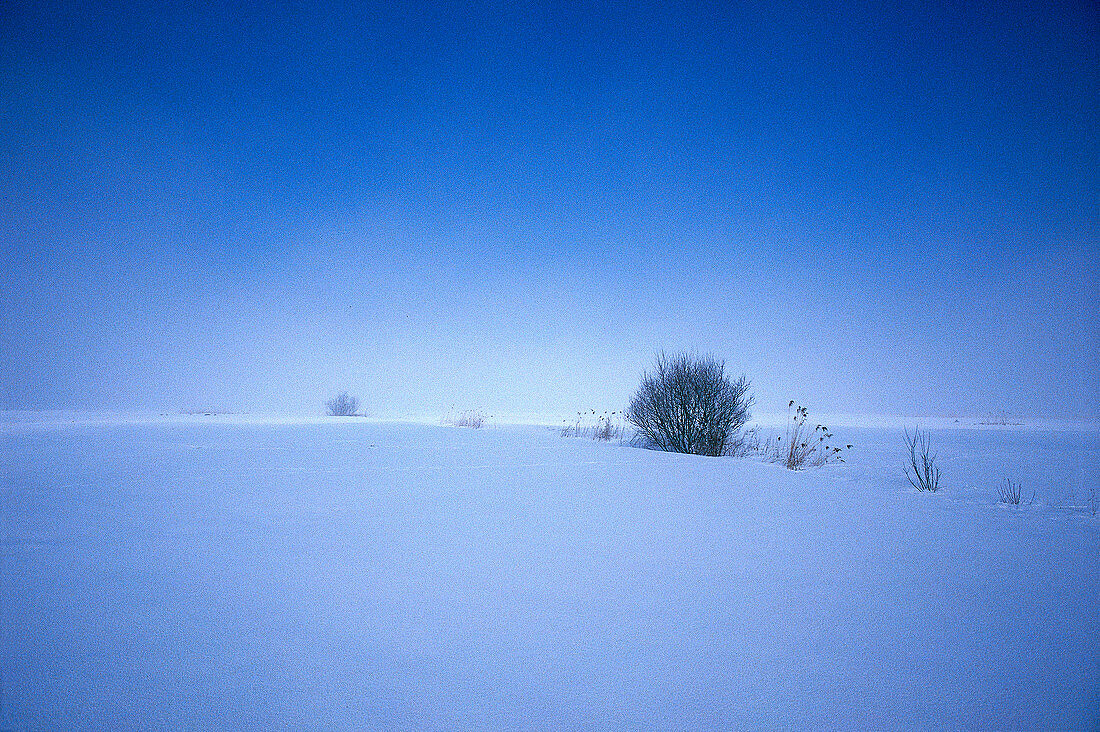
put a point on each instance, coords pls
(349, 574)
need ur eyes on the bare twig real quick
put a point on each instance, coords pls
(922, 472)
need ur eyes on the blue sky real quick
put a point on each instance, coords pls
(513, 207)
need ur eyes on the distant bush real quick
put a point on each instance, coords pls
(801, 447)
(1000, 419)
(471, 418)
(921, 470)
(689, 405)
(342, 405)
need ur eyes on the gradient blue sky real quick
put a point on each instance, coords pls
(512, 208)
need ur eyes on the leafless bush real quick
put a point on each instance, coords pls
(689, 405)
(921, 470)
(342, 405)
(1010, 492)
(804, 447)
(472, 418)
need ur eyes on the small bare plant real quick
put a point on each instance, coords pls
(922, 472)
(342, 405)
(1010, 492)
(804, 447)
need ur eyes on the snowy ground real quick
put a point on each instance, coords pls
(348, 574)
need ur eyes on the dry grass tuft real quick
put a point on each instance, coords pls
(800, 447)
(1010, 492)
(603, 427)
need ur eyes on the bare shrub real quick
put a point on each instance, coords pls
(342, 405)
(472, 418)
(1010, 492)
(689, 405)
(921, 470)
(803, 447)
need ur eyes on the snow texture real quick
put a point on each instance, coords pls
(350, 574)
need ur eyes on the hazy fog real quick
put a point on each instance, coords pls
(514, 209)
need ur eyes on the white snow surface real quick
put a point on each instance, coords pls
(354, 574)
